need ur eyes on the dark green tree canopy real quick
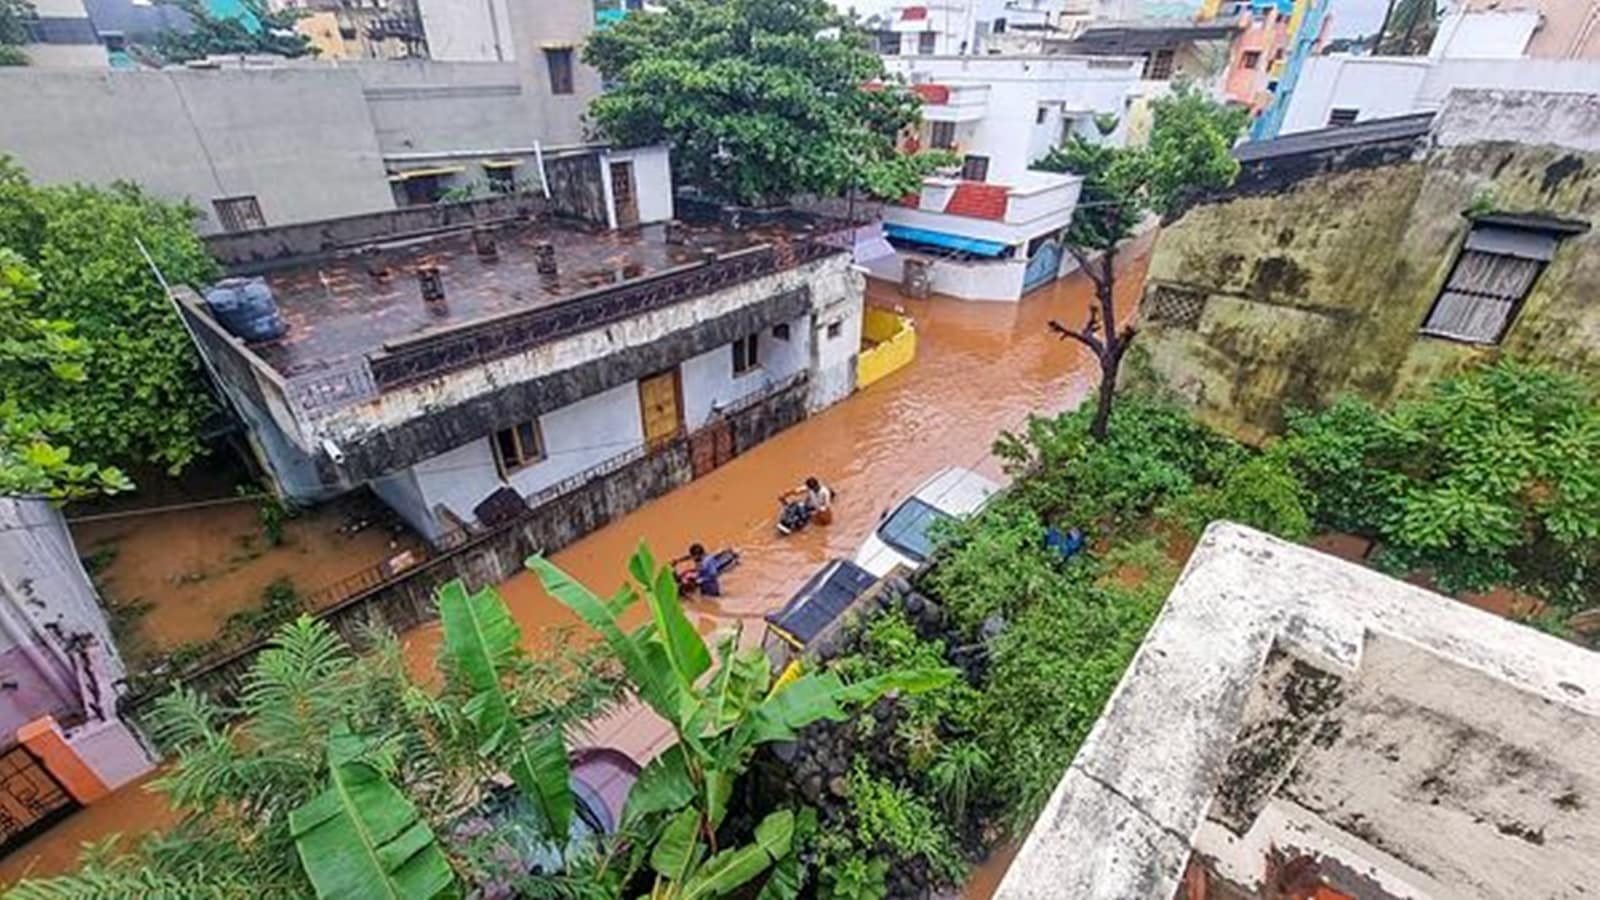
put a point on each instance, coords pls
(759, 99)
(14, 16)
(263, 32)
(143, 398)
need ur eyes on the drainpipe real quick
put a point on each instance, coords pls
(538, 160)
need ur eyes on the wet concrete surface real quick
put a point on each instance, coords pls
(980, 368)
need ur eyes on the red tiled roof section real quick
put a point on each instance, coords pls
(913, 14)
(932, 94)
(978, 200)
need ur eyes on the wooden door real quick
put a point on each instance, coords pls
(658, 404)
(623, 194)
(711, 446)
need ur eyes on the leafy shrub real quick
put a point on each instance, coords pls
(1154, 453)
(1492, 476)
(898, 823)
(1261, 493)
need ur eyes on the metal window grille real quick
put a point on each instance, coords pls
(239, 213)
(1343, 116)
(1176, 307)
(1481, 297)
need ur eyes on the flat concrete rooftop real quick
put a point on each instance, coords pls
(1299, 726)
(360, 299)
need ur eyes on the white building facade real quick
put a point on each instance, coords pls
(990, 228)
(1472, 50)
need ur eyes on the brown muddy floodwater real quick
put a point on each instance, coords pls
(980, 368)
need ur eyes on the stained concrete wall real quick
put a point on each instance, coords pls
(299, 140)
(1319, 287)
(57, 657)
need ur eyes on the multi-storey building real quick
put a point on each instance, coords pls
(989, 228)
(472, 362)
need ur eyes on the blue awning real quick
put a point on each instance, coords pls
(940, 239)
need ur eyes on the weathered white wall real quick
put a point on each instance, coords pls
(833, 357)
(652, 180)
(458, 479)
(1500, 34)
(583, 435)
(1381, 87)
(42, 584)
(459, 31)
(709, 382)
(830, 282)
(300, 139)
(1008, 134)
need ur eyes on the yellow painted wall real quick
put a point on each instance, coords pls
(894, 345)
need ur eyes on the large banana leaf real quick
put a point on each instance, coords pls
(730, 870)
(641, 657)
(482, 640)
(663, 785)
(685, 650)
(361, 838)
(822, 695)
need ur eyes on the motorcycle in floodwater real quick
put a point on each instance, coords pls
(794, 516)
(687, 573)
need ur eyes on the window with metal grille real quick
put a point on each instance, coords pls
(519, 446)
(1492, 276)
(746, 354)
(975, 168)
(1342, 116)
(239, 213)
(1158, 66)
(559, 61)
(1251, 59)
(1175, 307)
(925, 45)
(942, 136)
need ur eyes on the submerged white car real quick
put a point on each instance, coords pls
(904, 536)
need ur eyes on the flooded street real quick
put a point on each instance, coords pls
(979, 368)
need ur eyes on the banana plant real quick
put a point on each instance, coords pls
(483, 646)
(361, 838)
(720, 716)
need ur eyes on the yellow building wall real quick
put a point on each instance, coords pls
(889, 343)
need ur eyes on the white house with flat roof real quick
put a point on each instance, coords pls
(990, 228)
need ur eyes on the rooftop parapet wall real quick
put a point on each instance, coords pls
(1133, 806)
(263, 249)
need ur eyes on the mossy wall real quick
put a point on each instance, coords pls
(1319, 288)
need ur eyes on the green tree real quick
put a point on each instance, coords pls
(759, 99)
(719, 714)
(1189, 150)
(14, 16)
(1408, 28)
(33, 458)
(257, 30)
(144, 398)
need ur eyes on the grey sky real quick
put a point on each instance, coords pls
(1350, 17)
